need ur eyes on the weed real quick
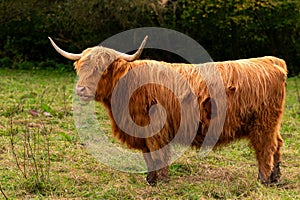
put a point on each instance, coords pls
(3, 193)
(32, 152)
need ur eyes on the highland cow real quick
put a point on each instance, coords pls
(255, 92)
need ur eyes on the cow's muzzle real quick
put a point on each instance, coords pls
(83, 93)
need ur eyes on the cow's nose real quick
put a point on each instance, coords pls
(80, 90)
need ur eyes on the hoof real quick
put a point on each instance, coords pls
(152, 178)
(275, 175)
(262, 179)
(158, 176)
(273, 178)
(163, 175)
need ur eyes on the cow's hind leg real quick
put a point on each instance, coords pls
(267, 154)
(275, 174)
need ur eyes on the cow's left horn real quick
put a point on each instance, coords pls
(65, 54)
(137, 53)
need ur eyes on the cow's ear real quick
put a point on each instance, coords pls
(209, 108)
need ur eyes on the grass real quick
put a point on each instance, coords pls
(228, 173)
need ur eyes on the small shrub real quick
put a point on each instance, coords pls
(51, 64)
(47, 64)
(6, 62)
(25, 65)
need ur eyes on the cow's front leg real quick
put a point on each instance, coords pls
(163, 174)
(151, 174)
(157, 164)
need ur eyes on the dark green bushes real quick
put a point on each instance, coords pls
(228, 29)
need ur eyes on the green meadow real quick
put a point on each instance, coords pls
(42, 156)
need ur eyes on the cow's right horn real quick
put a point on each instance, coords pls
(137, 53)
(65, 54)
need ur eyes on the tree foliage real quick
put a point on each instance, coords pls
(228, 29)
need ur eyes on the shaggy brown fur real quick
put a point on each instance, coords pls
(255, 91)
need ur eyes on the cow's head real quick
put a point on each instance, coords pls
(91, 64)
